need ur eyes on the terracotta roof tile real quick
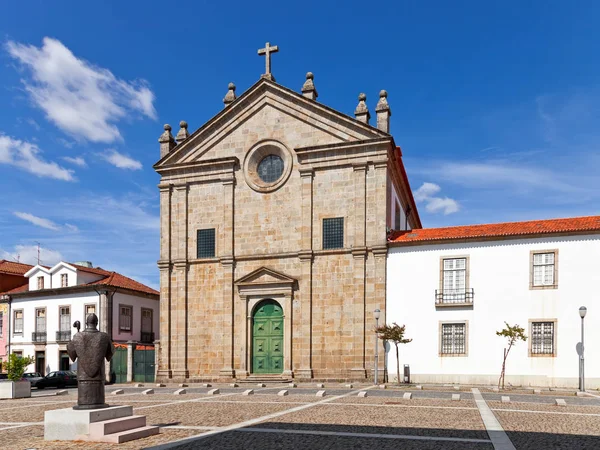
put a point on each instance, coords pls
(17, 290)
(532, 227)
(13, 268)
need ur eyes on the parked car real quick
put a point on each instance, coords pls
(32, 377)
(59, 379)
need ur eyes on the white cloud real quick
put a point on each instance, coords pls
(72, 228)
(426, 194)
(426, 191)
(81, 99)
(39, 221)
(28, 254)
(78, 160)
(26, 156)
(121, 161)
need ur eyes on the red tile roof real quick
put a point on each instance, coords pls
(110, 280)
(496, 230)
(13, 268)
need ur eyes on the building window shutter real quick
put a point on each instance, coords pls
(125, 318)
(65, 318)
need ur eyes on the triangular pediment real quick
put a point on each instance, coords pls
(265, 276)
(327, 124)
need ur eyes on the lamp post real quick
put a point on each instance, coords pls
(582, 312)
(376, 314)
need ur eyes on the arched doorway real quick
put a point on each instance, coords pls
(267, 338)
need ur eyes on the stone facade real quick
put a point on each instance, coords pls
(268, 237)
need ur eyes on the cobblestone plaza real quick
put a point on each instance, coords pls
(341, 419)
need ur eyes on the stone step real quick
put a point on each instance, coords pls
(100, 429)
(130, 435)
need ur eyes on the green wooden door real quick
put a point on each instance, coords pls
(118, 365)
(267, 338)
(143, 363)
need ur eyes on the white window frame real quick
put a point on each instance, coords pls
(20, 333)
(40, 283)
(64, 280)
(543, 269)
(123, 327)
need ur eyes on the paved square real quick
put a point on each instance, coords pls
(340, 420)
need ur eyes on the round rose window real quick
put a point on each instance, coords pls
(270, 168)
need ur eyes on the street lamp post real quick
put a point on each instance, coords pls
(582, 312)
(376, 314)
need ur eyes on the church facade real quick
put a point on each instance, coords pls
(274, 225)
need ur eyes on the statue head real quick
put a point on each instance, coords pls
(91, 322)
(77, 325)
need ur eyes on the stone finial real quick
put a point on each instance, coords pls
(383, 112)
(309, 90)
(183, 134)
(167, 141)
(362, 112)
(230, 96)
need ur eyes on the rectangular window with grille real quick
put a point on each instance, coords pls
(544, 265)
(18, 322)
(64, 280)
(454, 339)
(64, 318)
(542, 338)
(125, 314)
(206, 243)
(40, 282)
(333, 233)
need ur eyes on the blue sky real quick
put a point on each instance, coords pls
(495, 105)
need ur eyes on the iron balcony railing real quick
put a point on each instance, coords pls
(147, 337)
(38, 336)
(63, 336)
(451, 297)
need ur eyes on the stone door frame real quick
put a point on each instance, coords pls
(264, 284)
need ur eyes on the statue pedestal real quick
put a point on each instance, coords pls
(113, 424)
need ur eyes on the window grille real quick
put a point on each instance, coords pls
(64, 280)
(543, 269)
(454, 338)
(65, 318)
(125, 318)
(270, 168)
(333, 233)
(542, 338)
(18, 322)
(206, 243)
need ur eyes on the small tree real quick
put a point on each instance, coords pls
(395, 334)
(16, 366)
(512, 334)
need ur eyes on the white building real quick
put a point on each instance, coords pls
(455, 287)
(42, 313)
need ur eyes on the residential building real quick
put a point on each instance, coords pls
(455, 287)
(41, 313)
(12, 275)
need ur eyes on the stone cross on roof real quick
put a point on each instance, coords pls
(267, 52)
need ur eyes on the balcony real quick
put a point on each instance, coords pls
(38, 336)
(63, 336)
(454, 297)
(146, 337)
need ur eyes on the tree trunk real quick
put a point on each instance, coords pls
(397, 363)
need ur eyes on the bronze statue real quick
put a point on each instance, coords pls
(90, 347)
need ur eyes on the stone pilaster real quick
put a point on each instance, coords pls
(379, 301)
(130, 348)
(165, 221)
(164, 368)
(303, 319)
(287, 337)
(227, 268)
